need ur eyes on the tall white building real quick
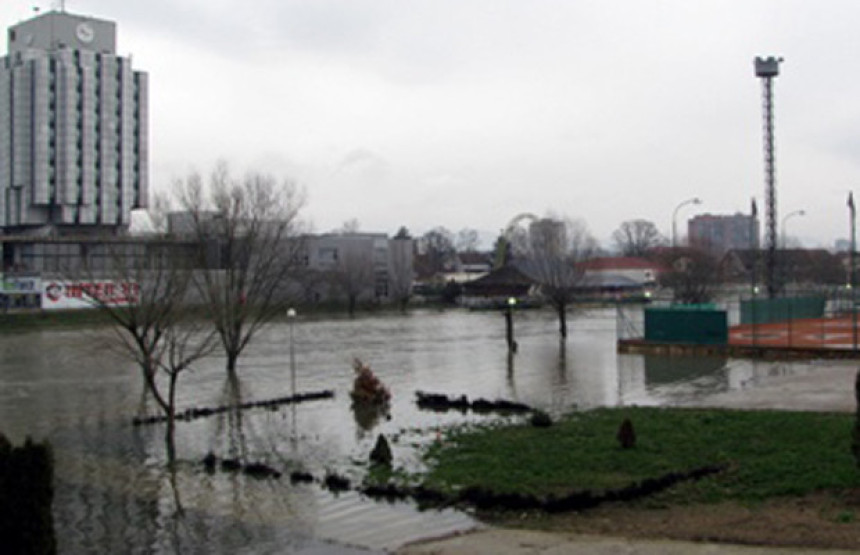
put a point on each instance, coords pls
(73, 128)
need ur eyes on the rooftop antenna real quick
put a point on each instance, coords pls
(766, 69)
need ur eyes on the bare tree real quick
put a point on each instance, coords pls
(692, 274)
(438, 248)
(250, 233)
(467, 240)
(145, 289)
(637, 237)
(159, 207)
(554, 250)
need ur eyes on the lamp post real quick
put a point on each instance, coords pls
(754, 266)
(786, 264)
(784, 219)
(291, 317)
(509, 324)
(694, 200)
(853, 268)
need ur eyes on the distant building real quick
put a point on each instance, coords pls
(793, 266)
(638, 270)
(720, 233)
(371, 266)
(842, 245)
(73, 129)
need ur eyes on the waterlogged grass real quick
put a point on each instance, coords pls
(766, 454)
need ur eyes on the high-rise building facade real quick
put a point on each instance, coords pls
(73, 128)
(721, 233)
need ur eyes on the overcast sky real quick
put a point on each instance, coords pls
(465, 113)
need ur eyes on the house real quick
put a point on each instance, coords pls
(597, 279)
(606, 286)
(495, 288)
(468, 266)
(621, 269)
(797, 266)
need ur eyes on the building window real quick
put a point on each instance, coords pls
(327, 255)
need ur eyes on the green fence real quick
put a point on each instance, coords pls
(699, 324)
(764, 311)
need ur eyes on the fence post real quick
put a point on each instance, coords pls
(790, 322)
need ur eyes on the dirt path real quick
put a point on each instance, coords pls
(521, 542)
(821, 520)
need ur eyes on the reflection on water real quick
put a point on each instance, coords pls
(114, 492)
(664, 370)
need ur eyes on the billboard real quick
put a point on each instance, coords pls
(88, 294)
(20, 285)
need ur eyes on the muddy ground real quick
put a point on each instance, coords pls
(821, 520)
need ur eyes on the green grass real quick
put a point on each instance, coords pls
(767, 453)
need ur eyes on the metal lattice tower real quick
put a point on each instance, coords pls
(766, 69)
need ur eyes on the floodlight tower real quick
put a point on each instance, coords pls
(766, 69)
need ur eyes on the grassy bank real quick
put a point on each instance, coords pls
(766, 453)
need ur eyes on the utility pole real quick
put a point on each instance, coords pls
(766, 69)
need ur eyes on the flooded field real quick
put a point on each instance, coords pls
(114, 493)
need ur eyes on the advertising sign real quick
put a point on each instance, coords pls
(17, 285)
(88, 294)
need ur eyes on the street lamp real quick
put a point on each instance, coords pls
(694, 200)
(291, 317)
(784, 219)
(509, 324)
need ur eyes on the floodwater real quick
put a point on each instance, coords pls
(114, 492)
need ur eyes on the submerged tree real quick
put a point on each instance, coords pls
(145, 290)
(554, 250)
(250, 239)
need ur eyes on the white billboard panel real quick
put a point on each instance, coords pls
(88, 294)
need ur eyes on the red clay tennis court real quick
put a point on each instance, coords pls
(832, 333)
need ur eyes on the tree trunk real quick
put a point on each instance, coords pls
(562, 319)
(232, 359)
(170, 438)
(170, 441)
